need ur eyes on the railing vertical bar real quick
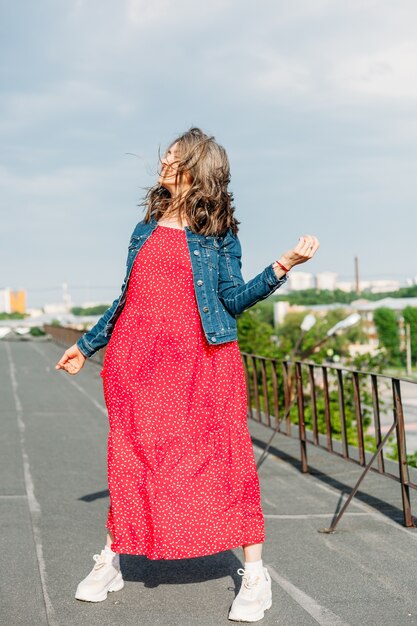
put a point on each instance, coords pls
(341, 398)
(287, 394)
(358, 414)
(327, 417)
(301, 422)
(377, 421)
(402, 453)
(256, 389)
(313, 403)
(275, 391)
(265, 393)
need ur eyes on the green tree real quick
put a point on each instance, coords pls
(13, 316)
(386, 323)
(323, 296)
(99, 309)
(37, 331)
(410, 317)
(318, 296)
(256, 335)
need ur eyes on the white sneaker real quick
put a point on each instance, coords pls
(104, 577)
(254, 597)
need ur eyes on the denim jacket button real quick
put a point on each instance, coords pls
(199, 282)
(205, 309)
(196, 252)
(213, 338)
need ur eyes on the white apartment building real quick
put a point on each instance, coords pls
(326, 280)
(379, 286)
(345, 285)
(298, 280)
(5, 304)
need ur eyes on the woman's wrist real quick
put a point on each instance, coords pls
(279, 272)
(281, 267)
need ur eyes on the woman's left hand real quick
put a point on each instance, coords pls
(305, 249)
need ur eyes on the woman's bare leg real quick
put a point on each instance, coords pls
(252, 551)
(109, 538)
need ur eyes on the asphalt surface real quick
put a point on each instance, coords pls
(53, 499)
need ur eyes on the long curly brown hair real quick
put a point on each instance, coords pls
(207, 206)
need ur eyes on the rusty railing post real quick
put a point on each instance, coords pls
(301, 422)
(402, 453)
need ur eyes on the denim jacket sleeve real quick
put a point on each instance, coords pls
(234, 293)
(94, 339)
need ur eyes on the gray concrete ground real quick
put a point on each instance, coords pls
(53, 499)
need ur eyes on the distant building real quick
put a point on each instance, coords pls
(281, 308)
(298, 281)
(12, 301)
(326, 280)
(51, 309)
(380, 286)
(33, 312)
(345, 286)
(91, 304)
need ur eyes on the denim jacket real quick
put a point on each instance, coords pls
(221, 293)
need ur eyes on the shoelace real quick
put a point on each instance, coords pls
(100, 560)
(249, 581)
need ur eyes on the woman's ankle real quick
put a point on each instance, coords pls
(109, 539)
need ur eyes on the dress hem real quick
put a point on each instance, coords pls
(154, 557)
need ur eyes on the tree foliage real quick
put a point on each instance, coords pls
(386, 323)
(13, 316)
(410, 317)
(324, 296)
(99, 309)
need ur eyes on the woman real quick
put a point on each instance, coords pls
(181, 469)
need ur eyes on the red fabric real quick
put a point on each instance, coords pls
(181, 469)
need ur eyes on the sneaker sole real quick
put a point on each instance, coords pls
(255, 617)
(115, 585)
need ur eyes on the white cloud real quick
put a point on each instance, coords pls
(388, 74)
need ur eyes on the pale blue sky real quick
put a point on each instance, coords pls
(315, 102)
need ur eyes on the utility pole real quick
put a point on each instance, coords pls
(408, 348)
(357, 282)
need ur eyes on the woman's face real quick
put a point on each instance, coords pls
(168, 175)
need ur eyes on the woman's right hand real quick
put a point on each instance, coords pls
(72, 360)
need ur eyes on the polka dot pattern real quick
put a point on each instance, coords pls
(181, 469)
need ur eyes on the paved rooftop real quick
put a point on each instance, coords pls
(53, 498)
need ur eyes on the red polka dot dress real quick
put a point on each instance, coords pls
(181, 470)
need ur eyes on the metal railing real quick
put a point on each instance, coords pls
(353, 414)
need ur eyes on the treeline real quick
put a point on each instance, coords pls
(325, 296)
(13, 316)
(99, 309)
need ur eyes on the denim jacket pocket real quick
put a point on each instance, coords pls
(210, 252)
